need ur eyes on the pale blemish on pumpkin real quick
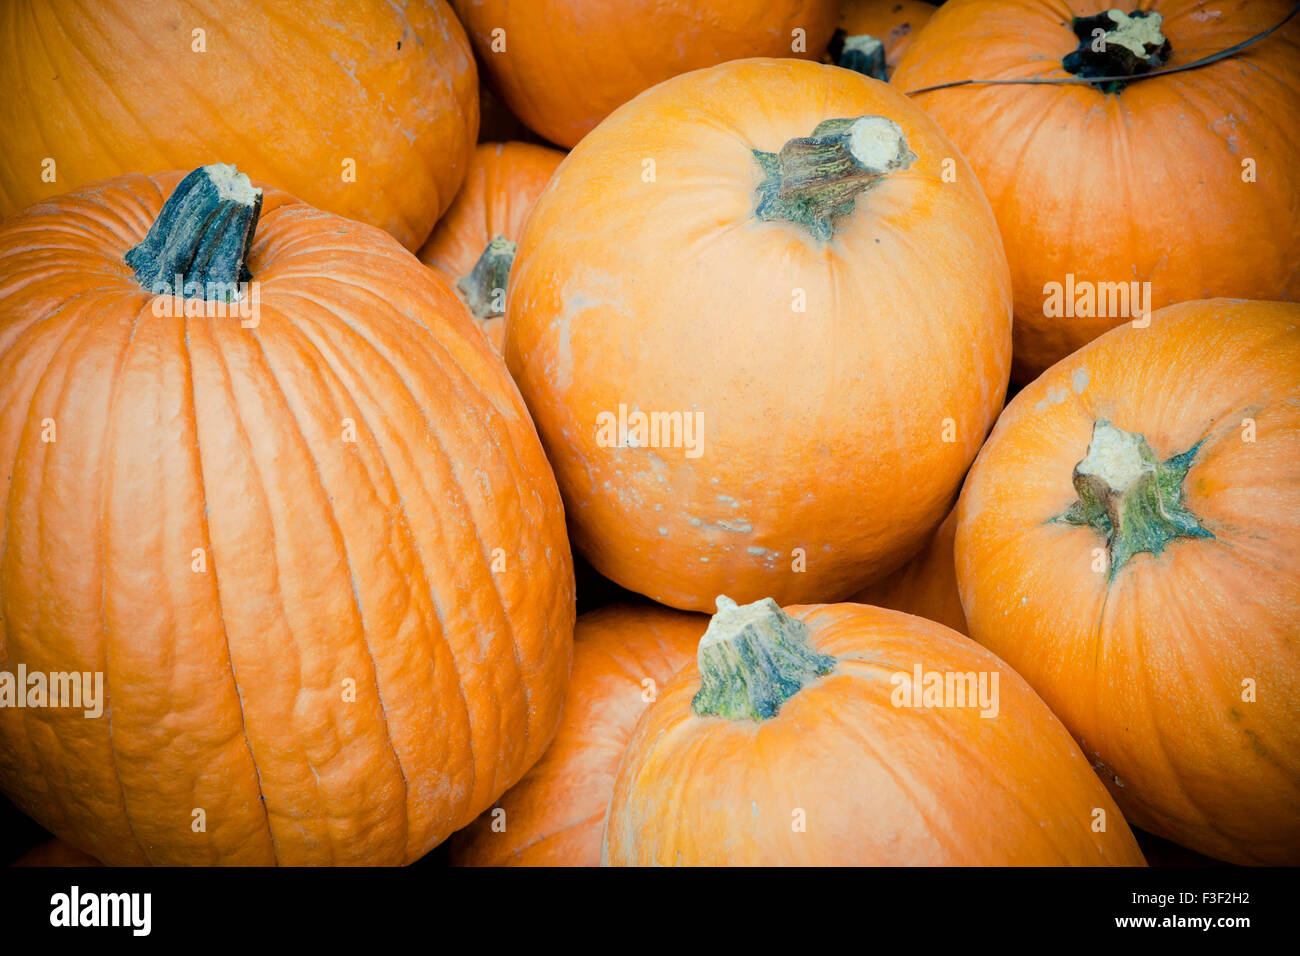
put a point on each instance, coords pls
(728, 500)
(1054, 397)
(663, 530)
(1079, 379)
(755, 549)
(740, 527)
(1226, 128)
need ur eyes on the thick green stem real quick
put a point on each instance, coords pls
(198, 246)
(1114, 43)
(1130, 497)
(752, 659)
(484, 289)
(862, 54)
(815, 180)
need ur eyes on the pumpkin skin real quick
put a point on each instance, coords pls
(877, 784)
(326, 564)
(568, 63)
(555, 815)
(926, 585)
(893, 22)
(504, 181)
(1144, 661)
(1095, 185)
(392, 87)
(673, 296)
(55, 853)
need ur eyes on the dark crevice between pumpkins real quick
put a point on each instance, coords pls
(198, 246)
(752, 659)
(1129, 45)
(484, 288)
(814, 181)
(1131, 498)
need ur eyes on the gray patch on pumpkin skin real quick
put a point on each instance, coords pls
(740, 527)
(1079, 379)
(755, 549)
(663, 531)
(728, 500)
(1054, 397)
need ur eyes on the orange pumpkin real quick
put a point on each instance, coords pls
(926, 585)
(803, 737)
(726, 324)
(368, 109)
(308, 538)
(474, 244)
(563, 65)
(555, 816)
(55, 853)
(1129, 541)
(1091, 188)
(888, 24)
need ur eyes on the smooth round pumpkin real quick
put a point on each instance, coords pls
(563, 65)
(890, 24)
(473, 246)
(927, 584)
(1184, 184)
(55, 853)
(1129, 541)
(725, 315)
(809, 737)
(555, 816)
(316, 553)
(364, 108)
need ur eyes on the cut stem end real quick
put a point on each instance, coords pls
(198, 246)
(752, 659)
(1131, 497)
(815, 181)
(484, 289)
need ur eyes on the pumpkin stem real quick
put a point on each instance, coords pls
(862, 54)
(484, 288)
(816, 180)
(1113, 43)
(198, 246)
(1130, 497)
(752, 659)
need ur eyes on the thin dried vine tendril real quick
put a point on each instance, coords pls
(1062, 80)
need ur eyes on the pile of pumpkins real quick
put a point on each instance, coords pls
(307, 400)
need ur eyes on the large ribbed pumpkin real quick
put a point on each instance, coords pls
(760, 334)
(365, 108)
(563, 65)
(473, 246)
(623, 655)
(812, 736)
(1129, 540)
(315, 552)
(1185, 182)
